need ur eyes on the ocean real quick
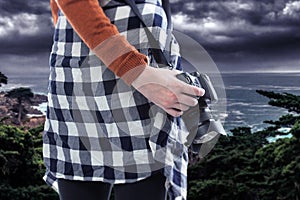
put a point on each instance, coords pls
(244, 106)
(247, 108)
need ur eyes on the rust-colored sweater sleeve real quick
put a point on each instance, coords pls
(102, 37)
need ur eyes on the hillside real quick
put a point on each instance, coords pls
(244, 166)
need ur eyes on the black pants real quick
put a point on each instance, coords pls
(151, 188)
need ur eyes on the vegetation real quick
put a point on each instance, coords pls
(22, 95)
(247, 167)
(244, 166)
(3, 79)
(21, 165)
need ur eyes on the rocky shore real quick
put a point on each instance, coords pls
(34, 116)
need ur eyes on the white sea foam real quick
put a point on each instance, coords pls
(273, 139)
(238, 87)
(239, 104)
(223, 115)
(261, 105)
(9, 87)
(284, 129)
(280, 88)
(41, 107)
(236, 112)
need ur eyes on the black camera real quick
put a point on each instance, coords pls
(204, 130)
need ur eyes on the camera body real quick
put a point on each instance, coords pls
(204, 130)
(203, 81)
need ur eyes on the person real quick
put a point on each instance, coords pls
(112, 115)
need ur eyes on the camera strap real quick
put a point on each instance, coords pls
(158, 54)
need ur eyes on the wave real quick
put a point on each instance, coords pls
(277, 137)
(239, 104)
(279, 87)
(41, 107)
(261, 106)
(13, 86)
(222, 115)
(238, 87)
(249, 105)
(236, 112)
(265, 87)
(229, 125)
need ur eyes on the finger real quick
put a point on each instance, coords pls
(192, 90)
(187, 100)
(171, 111)
(180, 107)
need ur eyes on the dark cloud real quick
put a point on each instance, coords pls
(25, 27)
(237, 31)
(18, 44)
(24, 65)
(25, 37)
(12, 7)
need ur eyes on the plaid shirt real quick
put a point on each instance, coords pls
(99, 129)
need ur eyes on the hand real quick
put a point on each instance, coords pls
(161, 87)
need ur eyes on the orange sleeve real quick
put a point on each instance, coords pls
(54, 11)
(102, 37)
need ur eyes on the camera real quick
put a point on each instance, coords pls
(203, 129)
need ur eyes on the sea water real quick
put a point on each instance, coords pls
(245, 107)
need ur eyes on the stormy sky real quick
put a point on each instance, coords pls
(249, 35)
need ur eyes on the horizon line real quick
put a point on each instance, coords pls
(263, 71)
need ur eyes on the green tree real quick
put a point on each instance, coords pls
(3, 79)
(246, 166)
(285, 100)
(296, 130)
(22, 95)
(21, 165)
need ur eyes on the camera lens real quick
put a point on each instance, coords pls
(203, 129)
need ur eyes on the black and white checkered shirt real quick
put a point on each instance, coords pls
(98, 128)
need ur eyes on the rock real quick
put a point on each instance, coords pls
(7, 115)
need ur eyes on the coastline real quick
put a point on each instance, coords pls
(245, 108)
(35, 110)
